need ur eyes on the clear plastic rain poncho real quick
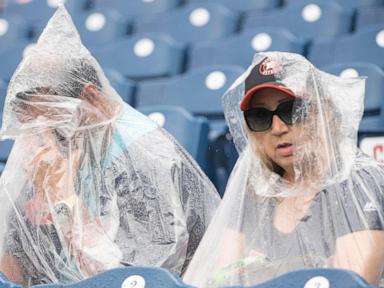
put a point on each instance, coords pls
(91, 184)
(329, 215)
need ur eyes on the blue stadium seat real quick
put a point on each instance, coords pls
(347, 3)
(143, 56)
(199, 90)
(5, 148)
(369, 16)
(33, 11)
(38, 12)
(13, 28)
(192, 23)
(42, 10)
(138, 7)
(122, 85)
(132, 277)
(365, 45)
(140, 277)
(3, 93)
(359, 3)
(240, 48)
(374, 94)
(309, 20)
(244, 5)
(101, 26)
(190, 131)
(10, 58)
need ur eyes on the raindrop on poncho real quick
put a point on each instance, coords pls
(91, 184)
(329, 215)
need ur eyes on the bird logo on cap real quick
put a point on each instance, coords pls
(270, 67)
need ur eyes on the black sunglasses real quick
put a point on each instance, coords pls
(260, 119)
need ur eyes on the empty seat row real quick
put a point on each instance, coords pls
(199, 90)
(154, 55)
(154, 277)
(195, 22)
(364, 45)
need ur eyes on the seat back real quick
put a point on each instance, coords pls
(190, 131)
(13, 28)
(123, 86)
(244, 5)
(369, 16)
(309, 20)
(101, 26)
(192, 23)
(365, 45)
(374, 89)
(199, 91)
(240, 48)
(143, 56)
(138, 7)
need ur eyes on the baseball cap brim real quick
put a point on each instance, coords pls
(245, 102)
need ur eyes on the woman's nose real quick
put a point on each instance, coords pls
(278, 126)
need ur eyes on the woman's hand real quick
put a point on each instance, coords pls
(53, 174)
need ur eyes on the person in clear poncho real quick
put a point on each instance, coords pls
(91, 184)
(301, 195)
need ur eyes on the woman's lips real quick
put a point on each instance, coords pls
(285, 149)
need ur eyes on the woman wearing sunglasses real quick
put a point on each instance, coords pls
(301, 195)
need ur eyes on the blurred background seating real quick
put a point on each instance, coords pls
(191, 131)
(240, 48)
(145, 277)
(143, 56)
(308, 19)
(192, 23)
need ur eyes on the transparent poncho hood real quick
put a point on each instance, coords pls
(90, 183)
(267, 225)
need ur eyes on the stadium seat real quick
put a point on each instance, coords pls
(365, 45)
(309, 20)
(32, 11)
(244, 5)
(42, 10)
(151, 277)
(13, 28)
(123, 86)
(359, 3)
(5, 148)
(38, 12)
(240, 48)
(143, 56)
(190, 131)
(132, 277)
(10, 58)
(138, 7)
(369, 16)
(346, 3)
(199, 90)
(192, 23)
(101, 26)
(374, 94)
